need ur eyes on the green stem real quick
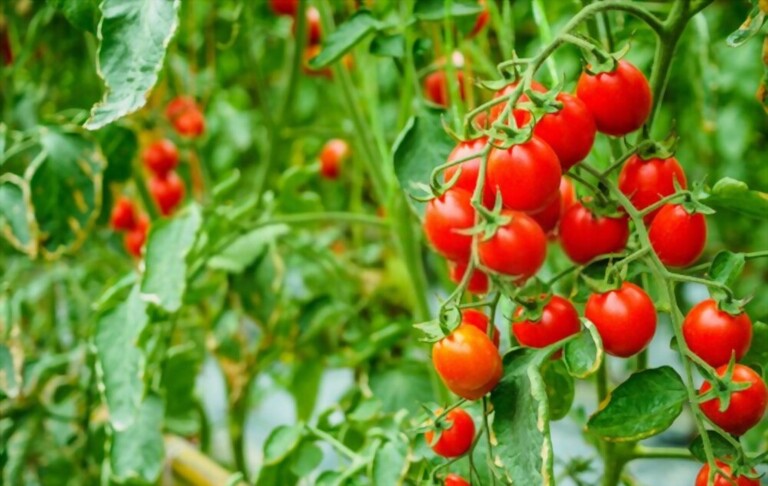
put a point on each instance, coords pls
(344, 450)
(642, 452)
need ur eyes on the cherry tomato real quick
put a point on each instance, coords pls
(123, 216)
(134, 239)
(161, 157)
(703, 477)
(467, 362)
(559, 320)
(677, 237)
(482, 19)
(567, 194)
(548, 217)
(334, 152)
(469, 170)
(625, 319)
(714, 335)
(179, 105)
(478, 281)
(522, 116)
(167, 191)
(456, 480)
(456, 439)
(285, 7)
(585, 236)
(645, 182)
(517, 249)
(190, 124)
(436, 87)
(746, 407)
(620, 101)
(474, 317)
(526, 175)
(444, 217)
(570, 132)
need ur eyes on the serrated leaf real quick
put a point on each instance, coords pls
(726, 267)
(720, 447)
(560, 388)
(170, 241)
(246, 249)
(524, 453)
(388, 45)
(748, 29)
(137, 452)
(306, 458)
(584, 354)
(390, 464)
(345, 37)
(736, 196)
(133, 35)
(281, 441)
(432, 10)
(643, 406)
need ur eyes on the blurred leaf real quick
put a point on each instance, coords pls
(16, 222)
(281, 441)
(246, 249)
(758, 349)
(10, 379)
(402, 387)
(170, 241)
(736, 196)
(560, 388)
(137, 452)
(748, 29)
(390, 463)
(182, 367)
(328, 478)
(726, 267)
(120, 146)
(134, 35)
(643, 406)
(436, 9)
(305, 386)
(306, 458)
(15, 449)
(720, 447)
(345, 37)
(388, 45)
(584, 354)
(83, 14)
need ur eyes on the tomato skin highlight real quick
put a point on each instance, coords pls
(570, 132)
(714, 335)
(123, 217)
(746, 407)
(467, 362)
(334, 152)
(625, 319)
(645, 182)
(620, 101)
(167, 191)
(436, 87)
(455, 440)
(677, 237)
(456, 480)
(161, 157)
(526, 175)
(470, 169)
(517, 249)
(703, 477)
(478, 281)
(134, 239)
(475, 318)
(559, 320)
(444, 217)
(585, 236)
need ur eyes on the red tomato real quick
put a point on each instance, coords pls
(314, 28)
(747, 406)
(135, 238)
(456, 439)
(677, 237)
(469, 170)
(559, 320)
(478, 281)
(567, 194)
(714, 335)
(167, 191)
(570, 132)
(548, 217)
(467, 362)
(517, 249)
(527, 175)
(703, 477)
(444, 217)
(522, 117)
(620, 101)
(645, 182)
(123, 216)
(456, 480)
(625, 319)
(585, 236)
(179, 105)
(190, 124)
(474, 317)
(482, 19)
(285, 7)
(436, 87)
(334, 152)
(161, 157)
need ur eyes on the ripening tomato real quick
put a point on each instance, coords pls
(585, 236)
(334, 152)
(123, 217)
(517, 249)
(746, 407)
(134, 239)
(526, 175)
(570, 132)
(456, 480)
(548, 217)
(179, 105)
(625, 319)
(469, 170)
(645, 182)
(714, 335)
(559, 320)
(467, 362)
(522, 116)
(436, 87)
(444, 218)
(167, 191)
(482, 19)
(474, 317)
(478, 281)
(703, 477)
(161, 157)
(190, 124)
(285, 7)
(457, 435)
(620, 101)
(678, 237)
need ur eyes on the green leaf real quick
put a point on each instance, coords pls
(720, 447)
(133, 35)
(345, 37)
(304, 386)
(402, 387)
(748, 29)
(246, 249)
(727, 267)
(10, 376)
(436, 9)
(83, 14)
(16, 222)
(120, 146)
(521, 424)
(306, 458)
(644, 405)
(584, 354)
(390, 463)
(420, 147)
(280, 443)
(758, 349)
(560, 388)
(137, 452)
(736, 196)
(170, 241)
(388, 45)
(182, 366)
(120, 361)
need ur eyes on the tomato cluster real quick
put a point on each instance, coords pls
(165, 185)
(125, 217)
(186, 117)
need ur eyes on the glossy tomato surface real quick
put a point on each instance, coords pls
(559, 320)
(645, 182)
(625, 319)
(585, 236)
(570, 132)
(703, 477)
(444, 219)
(517, 249)
(478, 281)
(456, 438)
(478, 319)
(678, 237)
(548, 217)
(746, 407)
(714, 335)
(467, 362)
(470, 169)
(456, 480)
